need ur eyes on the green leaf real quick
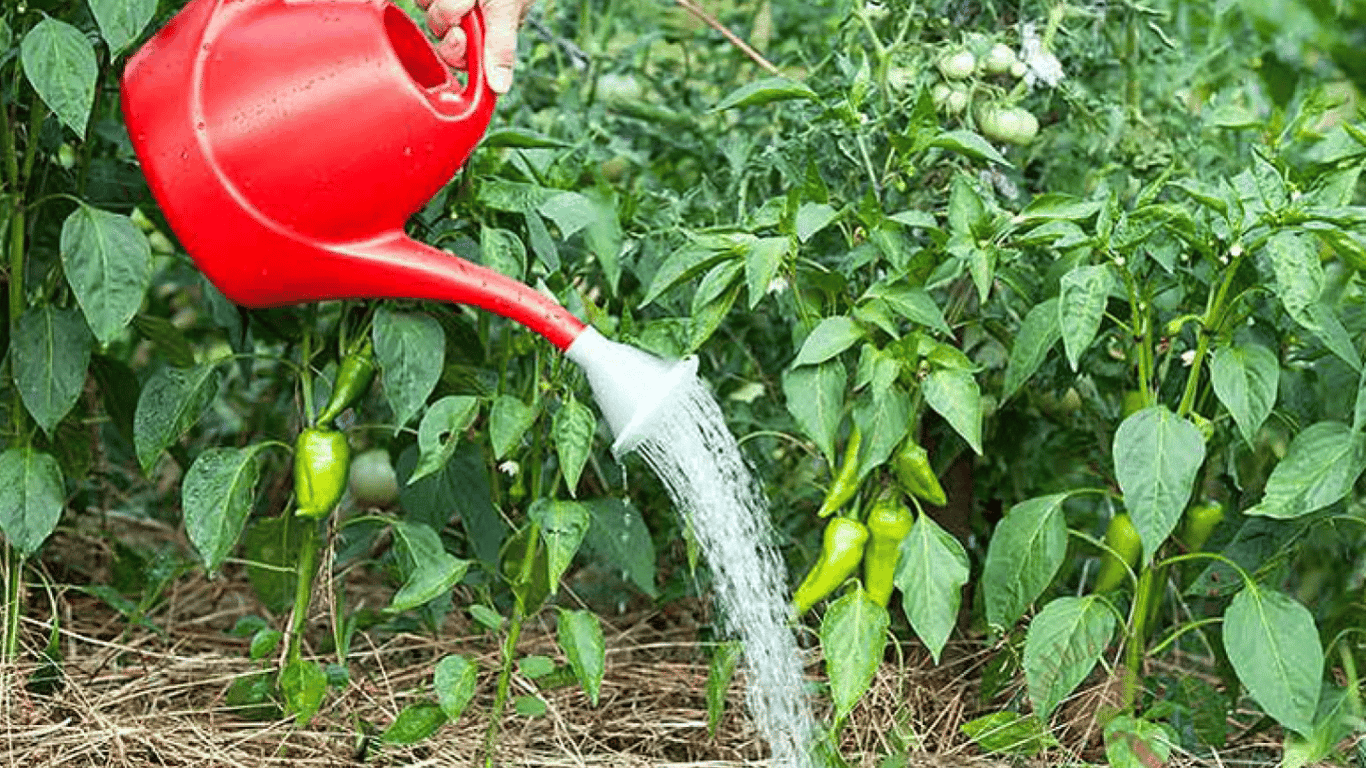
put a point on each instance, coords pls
(883, 419)
(509, 419)
(762, 262)
(1245, 379)
(440, 431)
(32, 496)
(853, 635)
(264, 643)
(414, 723)
(121, 21)
(411, 349)
(172, 400)
(512, 196)
(1009, 733)
(720, 671)
(915, 219)
(580, 637)
(1037, 335)
(1054, 206)
(971, 145)
(535, 667)
(1157, 456)
(1359, 412)
(502, 251)
(812, 218)
(303, 684)
(1134, 743)
(1274, 647)
(930, 574)
(1319, 468)
(168, 339)
(50, 351)
(967, 212)
(1062, 646)
(1299, 274)
(765, 91)
(706, 319)
(603, 235)
(689, 261)
(954, 395)
(108, 263)
(573, 428)
(617, 535)
(912, 303)
(1024, 553)
(529, 706)
(716, 282)
(1269, 183)
(60, 64)
(571, 212)
(520, 138)
(815, 398)
(1323, 320)
(832, 336)
(1081, 307)
(564, 524)
(217, 495)
(432, 571)
(455, 681)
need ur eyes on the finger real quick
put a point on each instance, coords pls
(445, 14)
(501, 18)
(451, 49)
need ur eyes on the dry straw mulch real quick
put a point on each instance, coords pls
(129, 697)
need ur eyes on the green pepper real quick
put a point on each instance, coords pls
(841, 552)
(913, 471)
(845, 484)
(1200, 522)
(354, 375)
(322, 459)
(888, 523)
(1134, 401)
(1122, 538)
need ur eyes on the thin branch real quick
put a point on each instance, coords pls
(692, 7)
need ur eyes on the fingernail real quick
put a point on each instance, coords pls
(500, 78)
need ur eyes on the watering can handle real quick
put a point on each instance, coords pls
(449, 99)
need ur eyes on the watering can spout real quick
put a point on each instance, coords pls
(629, 385)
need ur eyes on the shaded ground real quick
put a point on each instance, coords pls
(128, 696)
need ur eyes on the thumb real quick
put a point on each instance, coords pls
(501, 19)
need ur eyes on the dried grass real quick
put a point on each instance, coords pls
(132, 698)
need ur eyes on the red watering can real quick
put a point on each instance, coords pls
(288, 141)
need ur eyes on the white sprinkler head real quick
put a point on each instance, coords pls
(628, 384)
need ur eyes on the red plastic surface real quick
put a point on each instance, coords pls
(288, 141)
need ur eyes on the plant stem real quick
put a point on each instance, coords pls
(303, 587)
(1213, 318)
(14, 576)
(1134, 654)
(519, 616)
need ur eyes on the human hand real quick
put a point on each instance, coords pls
(501, 20)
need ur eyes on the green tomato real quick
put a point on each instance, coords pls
(999, 60)
(958, 65)
(373, 482)
(1013, 125)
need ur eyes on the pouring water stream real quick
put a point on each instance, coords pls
(665, 412)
